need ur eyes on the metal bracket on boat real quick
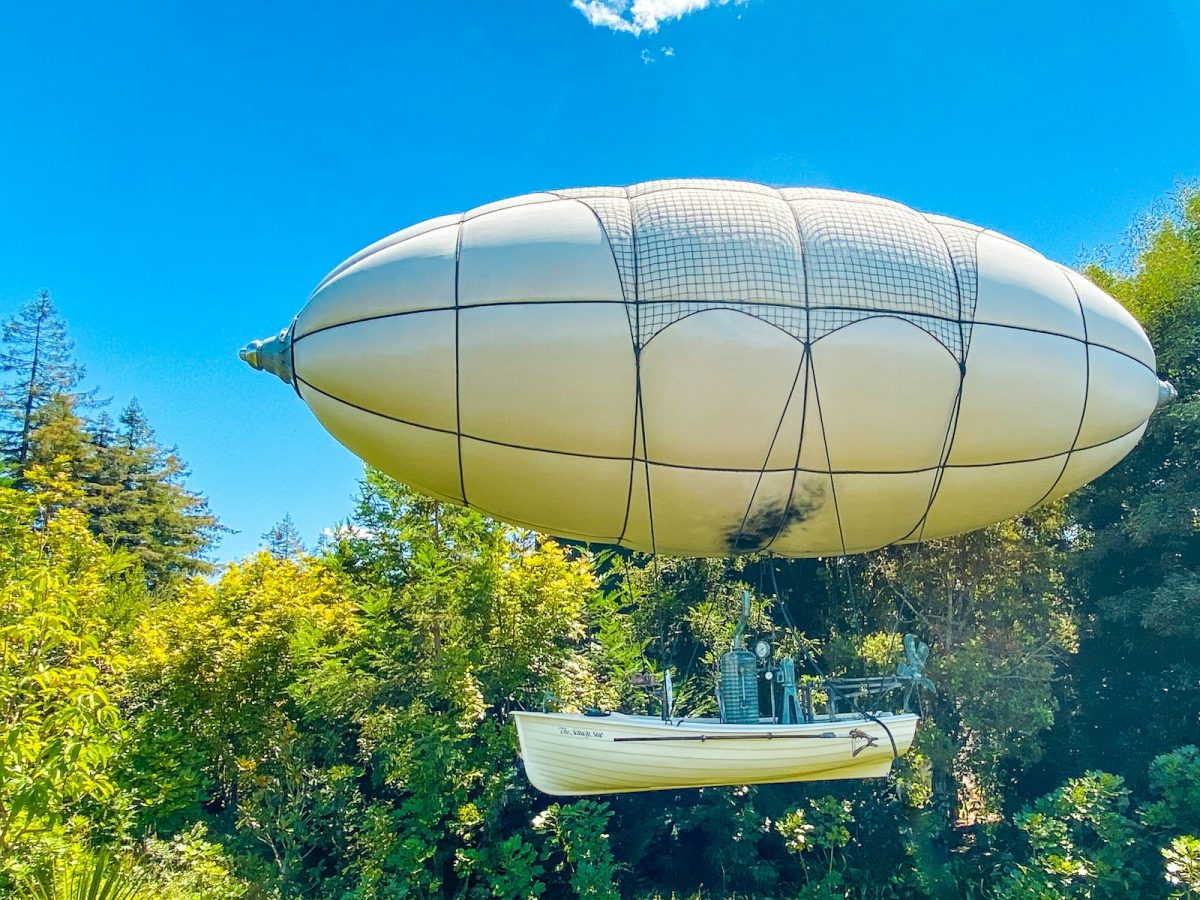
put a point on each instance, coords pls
(644, 679)
(651, 683)
(857, 734)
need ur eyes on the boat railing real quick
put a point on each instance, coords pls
(909, 678)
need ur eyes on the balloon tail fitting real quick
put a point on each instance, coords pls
(1166, 394)
(273, 354)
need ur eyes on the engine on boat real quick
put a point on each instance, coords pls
(739, 671)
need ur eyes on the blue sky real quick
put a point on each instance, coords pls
(181, 175)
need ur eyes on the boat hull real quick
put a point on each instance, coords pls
(573, 755)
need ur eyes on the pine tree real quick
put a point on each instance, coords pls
(103, 431)
(36, 359)
(283, 539)
(135, 427)
(136, 499)
(59, 439)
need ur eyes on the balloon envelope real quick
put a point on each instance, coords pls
(703, 368)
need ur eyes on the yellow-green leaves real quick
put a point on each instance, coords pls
(58, 726)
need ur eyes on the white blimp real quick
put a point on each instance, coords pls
(702, 368)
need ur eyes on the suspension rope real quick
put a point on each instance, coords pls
(787, 618)
(695, 642)
(855, 613)
(808, 658)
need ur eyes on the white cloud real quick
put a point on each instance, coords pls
(345, 531)
(638, 16)
(647, 57)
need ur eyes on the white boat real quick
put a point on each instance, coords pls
(570, 754)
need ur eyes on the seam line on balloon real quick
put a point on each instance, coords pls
(635, 324)
(956, 409)
(747, 470)
(732, 304)
(962, 347)
(399, 314)
(721, 302)
(641, 400)
(975, 299)
(611, 252)
(787, 509)
(347, 264)
(462, 481)
(1087, 388)
(936, 219)
(292, 353)
(947, 449)
(899, 317)
(632, 318)
(807, 361)
(944, 456)
(828, 461)
(770, 449)
(471, 215)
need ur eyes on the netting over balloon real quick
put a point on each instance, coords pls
(806, 261)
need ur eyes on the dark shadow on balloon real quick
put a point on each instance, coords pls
(774, 518)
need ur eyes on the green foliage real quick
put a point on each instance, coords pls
(208, 674)
(578, 832)
(188, 866)
(1183, 866)
(797, 831)
(1138, 560)
(136, 499)
(822, 829)
(994, 607)
(58, 727)
(94, 876)
(1175, 777)
(130, 488)
(515, 870)
(185, 867)
(291, 805)
(1084, 842)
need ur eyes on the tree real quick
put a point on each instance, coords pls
(283, 540)
(209, 678)
(136, 499)
(1138, 565)
(60, 440)
(461, 619)
(36, 358)
(579, 831)
(1084, 843)
(58, 727)
(993, 607)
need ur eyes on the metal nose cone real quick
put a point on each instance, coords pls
(1166, 394)
(273, 354)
